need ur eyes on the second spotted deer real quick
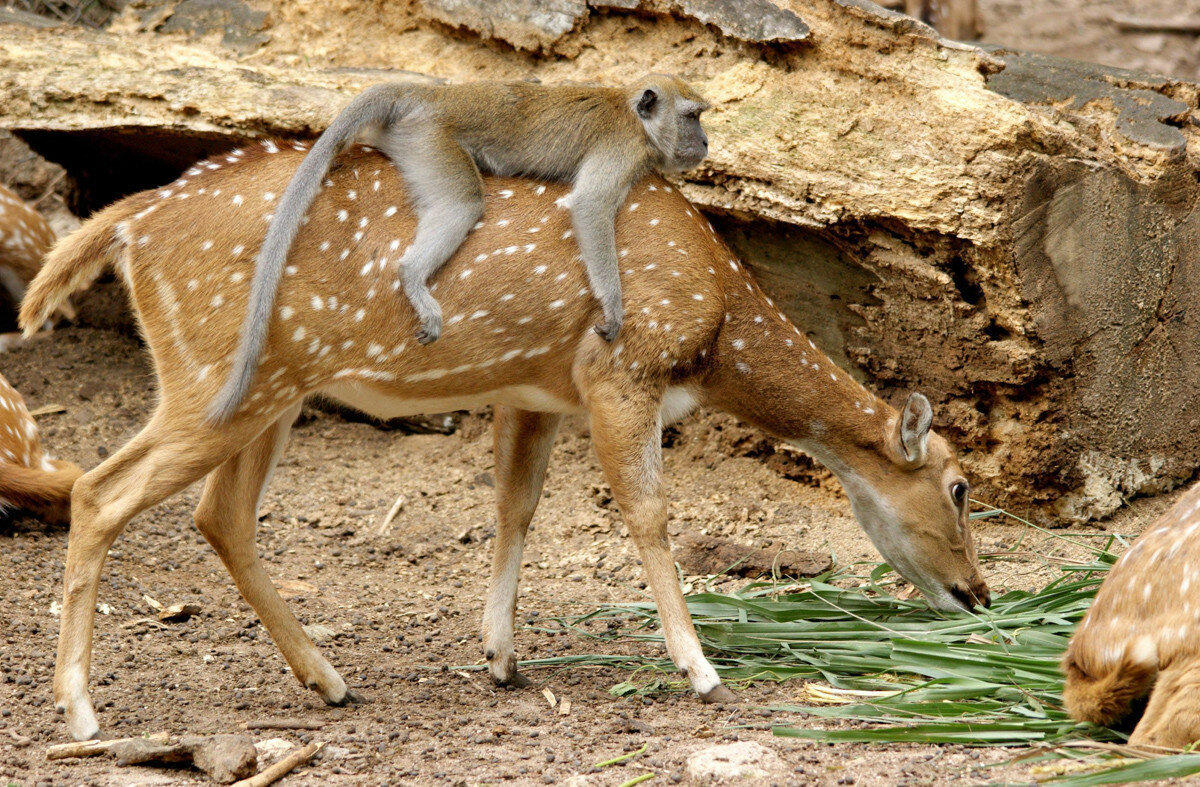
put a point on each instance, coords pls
(30, 480)
(25, 237)
(1141, 638)
(698, 331)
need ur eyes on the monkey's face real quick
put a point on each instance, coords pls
(670, 110)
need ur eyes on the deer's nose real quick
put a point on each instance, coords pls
(970, 597)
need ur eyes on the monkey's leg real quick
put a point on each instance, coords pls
(522, 443)
(627, 433)
(597, 195)
(447, 191)
(227, 516)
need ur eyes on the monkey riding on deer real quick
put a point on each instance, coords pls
(601, 140)
(698, 331)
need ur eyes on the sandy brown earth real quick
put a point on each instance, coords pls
(404, 605)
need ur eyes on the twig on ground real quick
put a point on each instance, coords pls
(281, 768)
(1138, 24)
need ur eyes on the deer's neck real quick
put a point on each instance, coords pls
(768, 373)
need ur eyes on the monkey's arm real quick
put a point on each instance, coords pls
(377, 105)
(601, 186)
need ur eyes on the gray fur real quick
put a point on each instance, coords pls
(601, 139)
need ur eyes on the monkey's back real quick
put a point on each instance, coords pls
(542, 131)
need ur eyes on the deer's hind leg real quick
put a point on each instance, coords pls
(522, 443)
(166, 456)
(227, 517)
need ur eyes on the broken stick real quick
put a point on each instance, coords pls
(62, 751)
(1135, 24)
(391, 514)
(281, 768)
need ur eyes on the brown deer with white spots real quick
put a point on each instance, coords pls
(1141, 637)
(698, 331)
(29, 479)
(25, 237)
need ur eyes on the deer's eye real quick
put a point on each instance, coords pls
(958, 492)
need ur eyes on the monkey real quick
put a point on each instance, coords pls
(600, 139)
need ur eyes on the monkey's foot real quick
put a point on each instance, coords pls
(608, 329)
(718, 693)
(429, 331)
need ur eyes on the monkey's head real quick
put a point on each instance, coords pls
(669, 110)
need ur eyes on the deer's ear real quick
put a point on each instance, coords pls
(912, 429)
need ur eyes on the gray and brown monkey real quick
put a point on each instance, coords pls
(600, 139)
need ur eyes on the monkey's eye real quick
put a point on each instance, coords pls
(958, 492)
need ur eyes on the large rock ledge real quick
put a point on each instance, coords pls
(1013, 235)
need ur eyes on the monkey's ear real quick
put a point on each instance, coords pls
(645, 104)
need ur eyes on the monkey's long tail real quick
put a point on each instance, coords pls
(268, 267)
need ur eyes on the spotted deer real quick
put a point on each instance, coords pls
(1141, 637)
(29, 479)
(25, 237)
(519, 336)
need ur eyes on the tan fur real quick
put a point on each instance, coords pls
(518, 336)
(25, 237)
(29, 479)
(1141, 636)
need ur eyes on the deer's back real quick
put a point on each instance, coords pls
(517, 304)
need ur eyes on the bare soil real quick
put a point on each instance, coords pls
(404, 604)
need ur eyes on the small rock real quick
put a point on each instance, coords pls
(225, 758)
(319, 633)
(135, 752)
(335, 753)
(735, 763)
(272, 750)
(177, 613)
(580, 780)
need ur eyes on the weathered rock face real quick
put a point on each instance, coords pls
(1013, 235)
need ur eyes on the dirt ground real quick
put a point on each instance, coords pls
(403, 605)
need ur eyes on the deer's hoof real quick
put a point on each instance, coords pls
(719, 693)
(516, 680)
(351, 697)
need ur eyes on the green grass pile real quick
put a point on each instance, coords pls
(898, 670)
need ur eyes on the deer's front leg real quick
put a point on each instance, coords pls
(627, 432)
(522, 450)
